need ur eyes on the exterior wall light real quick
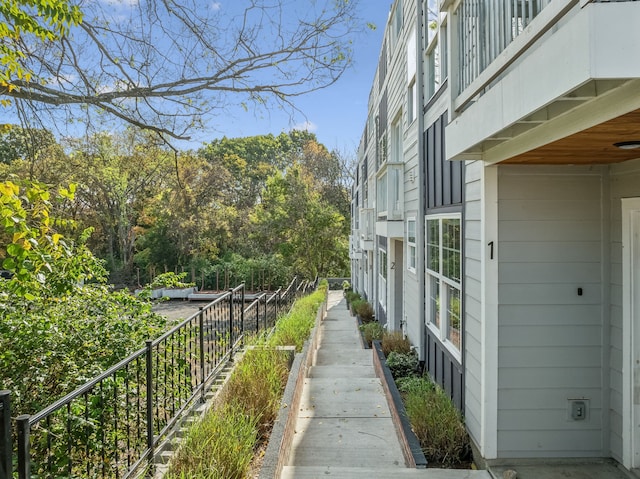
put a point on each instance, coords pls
(628, 145)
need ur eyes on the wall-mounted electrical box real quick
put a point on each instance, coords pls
(578, 409)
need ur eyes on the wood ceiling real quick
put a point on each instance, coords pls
(591, 146)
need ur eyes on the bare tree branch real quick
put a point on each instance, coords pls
(167, 65)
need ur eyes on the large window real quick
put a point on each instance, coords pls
(411, 244)
(443, 237)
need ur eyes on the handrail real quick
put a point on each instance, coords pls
(112, 425)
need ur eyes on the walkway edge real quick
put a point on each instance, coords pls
(279, 447)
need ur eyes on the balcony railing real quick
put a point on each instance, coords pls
(486, 28)
(390, 192)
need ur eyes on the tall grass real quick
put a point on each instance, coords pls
(222, 444)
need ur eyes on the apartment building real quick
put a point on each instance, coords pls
(497, 216)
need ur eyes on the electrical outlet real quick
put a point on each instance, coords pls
(578, 409)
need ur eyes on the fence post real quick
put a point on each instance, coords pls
(264, 315)
(6, 447)
(202, 370)
(231, 323)
(24, 459)
(150, 442)
(242, 314)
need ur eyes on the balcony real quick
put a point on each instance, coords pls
(355, 251)
(558, 80)
(390, 200)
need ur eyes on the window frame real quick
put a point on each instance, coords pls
(439, 283)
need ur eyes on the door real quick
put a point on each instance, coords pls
(631, 330)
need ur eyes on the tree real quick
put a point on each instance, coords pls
(166, 65)
(45, 20)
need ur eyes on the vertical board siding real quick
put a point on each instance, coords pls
(550, 338)
(472, 299)
(625, 183)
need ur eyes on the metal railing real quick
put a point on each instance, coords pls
(111, 426)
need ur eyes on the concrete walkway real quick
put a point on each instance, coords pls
(344, 427)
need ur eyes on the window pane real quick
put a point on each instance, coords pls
(434, 301)
(451, 248)
(411, 231)
(433, 245)
(453, 315)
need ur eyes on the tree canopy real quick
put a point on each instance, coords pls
(166, 65)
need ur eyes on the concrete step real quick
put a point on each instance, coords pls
(357, 442)
(320, 472)
(343, 397)
(342, 372)
(334, 355)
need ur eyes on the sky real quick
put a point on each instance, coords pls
(336, 114)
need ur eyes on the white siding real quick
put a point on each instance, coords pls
(550, 337)
(625, 183)
(472, 300)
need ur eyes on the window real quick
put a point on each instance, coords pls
(382, 278)
(443, 237)
(396, 140)
(412, 101)
(444, 67)
(397, 20)
(411, 244)
(382, 195)
(433, 70)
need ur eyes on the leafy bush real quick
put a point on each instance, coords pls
(372, 331)
(352, 296)
(170, 280)
(414, 385)
(402, 365)
(436, 422)
(395, 341)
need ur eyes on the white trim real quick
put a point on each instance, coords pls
(629, 448)
(489, 313)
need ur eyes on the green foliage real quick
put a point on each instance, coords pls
(352, 296)
(170, 280)
(395, 341)
(372, 331)
(57, 330)
(257, 384)
(220, 446)
(364, 310)
(436, 422)
(294, 328)
(25, 20)
(402, 365)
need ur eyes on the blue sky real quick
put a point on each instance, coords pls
(336, 114)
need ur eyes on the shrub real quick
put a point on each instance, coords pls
(365, 311)
(395, 341)
(372, 331)
(414, 385)
(402, 365)
(352, 296)
(437, 423)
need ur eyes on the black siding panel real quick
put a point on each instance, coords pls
(444, 370)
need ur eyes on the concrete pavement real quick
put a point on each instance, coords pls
(344, 427)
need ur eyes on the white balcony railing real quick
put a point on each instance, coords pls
(486, 28)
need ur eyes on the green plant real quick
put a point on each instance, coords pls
(352, 296)
(402, 365)
(395, 341)
(257, 384)
(365, 311)
(170, 280)
(372, 331)
(220, 446)
(437, 423)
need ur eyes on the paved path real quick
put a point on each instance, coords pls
(344, 428)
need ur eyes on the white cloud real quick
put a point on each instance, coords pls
(306, 126)
(215, 6)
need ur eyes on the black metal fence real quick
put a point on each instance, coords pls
(111, 426)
